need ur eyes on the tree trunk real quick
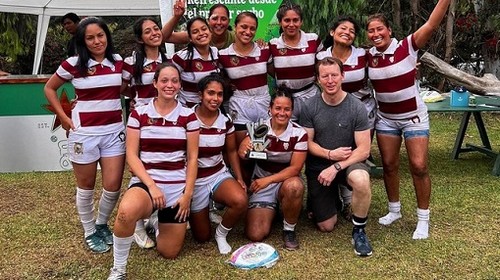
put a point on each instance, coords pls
(488, 84)
(415, 4)
(396, 15)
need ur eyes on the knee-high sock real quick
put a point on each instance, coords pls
(106, 205)
(85, 209)
(121, 249)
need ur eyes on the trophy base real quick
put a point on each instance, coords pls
(257, 155)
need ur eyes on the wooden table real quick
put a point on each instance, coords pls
(485, 104)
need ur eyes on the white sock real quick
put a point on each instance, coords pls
(139, 225)
(220, 237)
(346, 194)
(287, 226)
(121, 249)
(85, 209)
(106, 205)
(422, 230)
(393, 215)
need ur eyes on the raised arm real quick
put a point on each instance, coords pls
(424, 33)
(169, 36)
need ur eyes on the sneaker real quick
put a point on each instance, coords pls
(152, 224)
(116, 274)
(347, 212)
(104, 232)
(142, 239)
(96, 243)
(214, 217)
(361, 243)
(290, 240)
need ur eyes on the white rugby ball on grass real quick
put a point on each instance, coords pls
(254, 255)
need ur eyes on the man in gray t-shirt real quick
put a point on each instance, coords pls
(339, 143)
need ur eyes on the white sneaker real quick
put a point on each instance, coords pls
(116, 274)
(142, 239)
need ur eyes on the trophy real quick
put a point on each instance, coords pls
(257, 132)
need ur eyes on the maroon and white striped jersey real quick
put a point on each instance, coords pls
(392, 74)
(247, 73)
(163, 141)
(280, 149)
(98, 109)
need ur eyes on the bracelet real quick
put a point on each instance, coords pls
(329, 158)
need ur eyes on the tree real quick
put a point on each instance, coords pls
(16, 34)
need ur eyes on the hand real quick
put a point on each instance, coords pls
(327, 176)
(261, 43)
(184, 203)
(132, 104)
(259, 184)
(242, 183)
(67, 123)
(159, 201)
(179, 8)
(340, 154)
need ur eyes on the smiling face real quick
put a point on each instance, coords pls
(167, 83)
(96, 41)
(379, 34)
(200, 34)
(212, 96)
(344, 34)
(151, 34)
(245, 30)
(281, 111)
(291, 24)
(330, 79)
(219, 21)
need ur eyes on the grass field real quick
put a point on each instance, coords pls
(41, 237)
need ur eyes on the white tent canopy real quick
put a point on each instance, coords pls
(47, 8)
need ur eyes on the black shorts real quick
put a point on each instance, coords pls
(165, 215)
(324, 201)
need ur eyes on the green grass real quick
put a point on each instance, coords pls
(41, 236)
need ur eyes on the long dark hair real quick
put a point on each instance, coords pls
(83, 52)
(140, 52)
(190, 46)
(328, 42)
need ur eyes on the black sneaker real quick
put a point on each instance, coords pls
(290, 240)
(361, 243)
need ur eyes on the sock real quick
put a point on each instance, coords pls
(106, 205)
(287, 226)
(220, 237)
(139, 225)
(85, 209)
(346, 194)
(121, 249)
(359, 223)
(393, 215)
(422, 230)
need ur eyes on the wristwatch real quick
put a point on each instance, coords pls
(337, 166)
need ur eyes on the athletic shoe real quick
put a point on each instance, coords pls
(152, 224)
(96, 243)
(142, 239)
(214, 217)
(347, 212)
(361, 243)
(290, 240)
(104, 232)
(116, 274)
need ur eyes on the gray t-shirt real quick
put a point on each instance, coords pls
(334, 126)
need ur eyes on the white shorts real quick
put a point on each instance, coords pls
(267, 196)
(408, 127)
(245, 109)
(84, 149)
(371, 110)
(299, 99)
(171, 191)
(206, 186)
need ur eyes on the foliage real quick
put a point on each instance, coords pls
(16, 33)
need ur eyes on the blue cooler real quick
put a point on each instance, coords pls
(459, 97)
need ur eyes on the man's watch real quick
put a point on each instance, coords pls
(337, 166)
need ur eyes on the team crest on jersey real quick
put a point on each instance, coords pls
(91, 71)
(198, 65)
(375, 61)
(286, 146)
(235, 60)
(391, 59)
(148, 68)
(219, 130)
(151, 121)
(282, 51)
(174, 123)
(304, 49)
(78, 148)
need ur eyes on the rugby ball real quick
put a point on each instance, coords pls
(254, 255)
